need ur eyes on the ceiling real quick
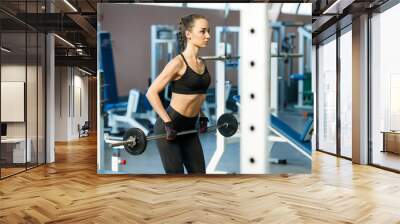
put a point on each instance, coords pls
(73, 21)
(332, 15)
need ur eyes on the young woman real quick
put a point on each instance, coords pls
(190, 80)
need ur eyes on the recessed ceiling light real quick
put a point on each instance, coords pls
(5, 49)
(84, 71)
(71, 6)
(64, 40)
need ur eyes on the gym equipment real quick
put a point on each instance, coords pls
(305, 94)
(236, 57)
(139, 141)
(304, 90)
(135, 140)
(121, 113)
(300, 141)
(164, 46)
(109, 85)
(285, 40)
(286, 55)
(227, 47)
(220, 58)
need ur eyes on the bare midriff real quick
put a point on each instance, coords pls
(188, 105)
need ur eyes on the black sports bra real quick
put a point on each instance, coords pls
(191, 82)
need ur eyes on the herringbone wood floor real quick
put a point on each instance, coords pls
(70, 191)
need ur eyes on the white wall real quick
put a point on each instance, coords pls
(61, 103)
(80, 102)
(71, 102)
(12, 73)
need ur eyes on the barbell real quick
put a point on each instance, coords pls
(135, 140)
(236, 57)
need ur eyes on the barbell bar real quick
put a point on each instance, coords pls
(220, 58)
(160, 136)
(236, 57)
(135, 141)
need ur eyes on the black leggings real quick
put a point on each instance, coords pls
(185, 150)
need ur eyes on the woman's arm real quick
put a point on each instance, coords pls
(203, 122)
(169, 73)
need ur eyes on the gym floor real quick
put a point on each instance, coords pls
(150, 163)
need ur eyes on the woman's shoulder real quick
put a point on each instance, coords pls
(179, 59)
(175, 64)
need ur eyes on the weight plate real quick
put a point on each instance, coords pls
(141, 141)
(231, 127)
